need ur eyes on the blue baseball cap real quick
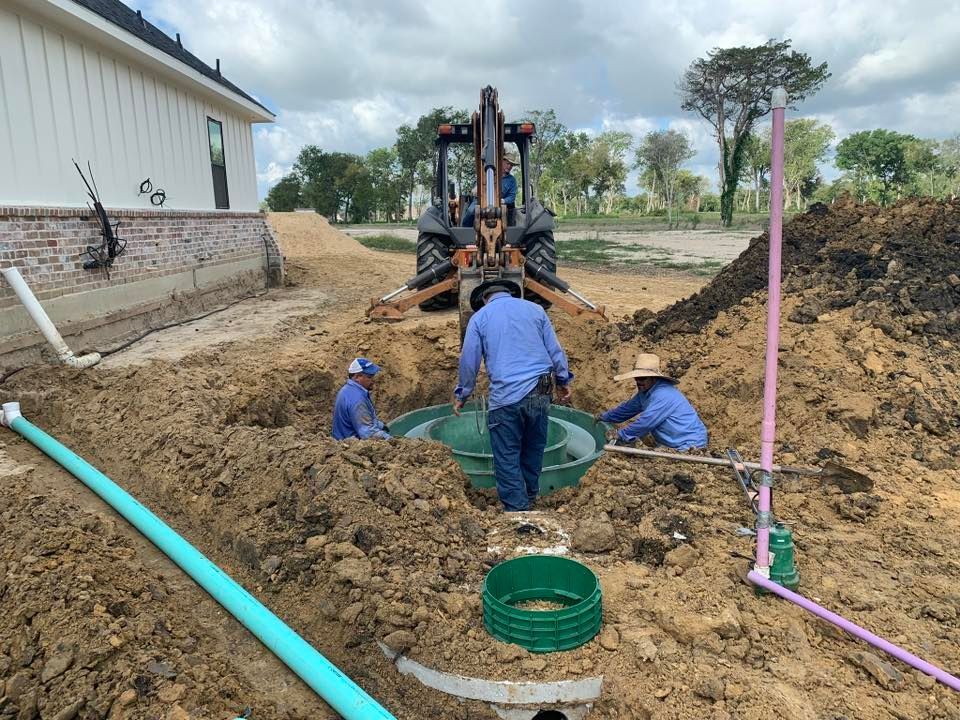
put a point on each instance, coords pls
(362, 365)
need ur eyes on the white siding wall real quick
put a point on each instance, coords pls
(63, 98)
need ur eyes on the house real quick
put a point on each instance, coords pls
(164, 140)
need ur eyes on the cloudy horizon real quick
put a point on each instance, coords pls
(345, 77)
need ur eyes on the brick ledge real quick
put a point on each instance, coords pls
(44, 211)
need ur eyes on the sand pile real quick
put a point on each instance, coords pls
(309, 235)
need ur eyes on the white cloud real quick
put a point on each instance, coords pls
(272, 174)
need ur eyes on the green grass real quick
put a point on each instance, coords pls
(704, 268)
(390, 243)
(588, 250)
(596, 251)
(753, 222)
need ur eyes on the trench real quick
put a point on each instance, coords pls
(239, 461)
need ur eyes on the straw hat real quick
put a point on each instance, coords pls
(512, 158)
(647, 365)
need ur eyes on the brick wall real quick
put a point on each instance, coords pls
(45, 244)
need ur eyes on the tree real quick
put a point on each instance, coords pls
(654, 196)
(924, 166)
(355, 191)
(548, 140)
(312, 168)
(690, 189)
(462, 163)
(663, 151)
(386, 183)
(950, 164)
(285, 195)
(566, 175)
(876, 161)
(607, 160)
(415, 148)
(756, 162)
(733, 86)
(806, 143)
(330, 182)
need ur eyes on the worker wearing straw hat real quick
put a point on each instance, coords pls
(659, 409)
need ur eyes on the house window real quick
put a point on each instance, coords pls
(218, 164)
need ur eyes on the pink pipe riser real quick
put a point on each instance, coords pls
(768, 428)
(951, 681)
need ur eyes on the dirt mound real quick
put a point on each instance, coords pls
(899, 266)
(88, 631)
(309, 235)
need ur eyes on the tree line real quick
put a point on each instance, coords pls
(579, 173)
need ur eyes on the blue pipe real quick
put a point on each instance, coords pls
(339, 691)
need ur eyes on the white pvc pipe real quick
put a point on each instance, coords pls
(43, 322)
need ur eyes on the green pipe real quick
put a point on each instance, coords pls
(339, 691)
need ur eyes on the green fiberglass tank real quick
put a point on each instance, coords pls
(574, 442)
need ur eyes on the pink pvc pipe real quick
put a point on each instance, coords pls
(888, 647)
(768, 429)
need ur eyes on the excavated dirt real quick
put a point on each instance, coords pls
(357, 542)
(899, 268)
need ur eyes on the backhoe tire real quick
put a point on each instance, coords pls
(431, 251)
(541, 249)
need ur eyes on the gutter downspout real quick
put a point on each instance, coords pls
(43, 322)
(768, 429)
(328, 681)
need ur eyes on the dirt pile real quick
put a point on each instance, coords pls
(898, 266)
(309, 235)
(88, 631)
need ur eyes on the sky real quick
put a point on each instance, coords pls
(345, 75)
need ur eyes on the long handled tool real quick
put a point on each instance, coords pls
(846, 479)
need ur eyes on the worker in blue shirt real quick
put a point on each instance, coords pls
(663, 410)
(353, 413)
(518, 346)
(508, 191)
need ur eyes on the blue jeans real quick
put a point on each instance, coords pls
(518, 435)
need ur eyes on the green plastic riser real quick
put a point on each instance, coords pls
(542, 577)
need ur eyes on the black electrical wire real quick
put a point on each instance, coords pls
(3, 378)
(138, 338)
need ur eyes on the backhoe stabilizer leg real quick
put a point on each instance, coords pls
(572, 308)
(386, 308)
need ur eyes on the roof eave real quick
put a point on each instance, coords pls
(89, 24)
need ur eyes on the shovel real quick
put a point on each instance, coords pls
(849, 481)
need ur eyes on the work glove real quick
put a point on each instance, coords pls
(613, 438)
